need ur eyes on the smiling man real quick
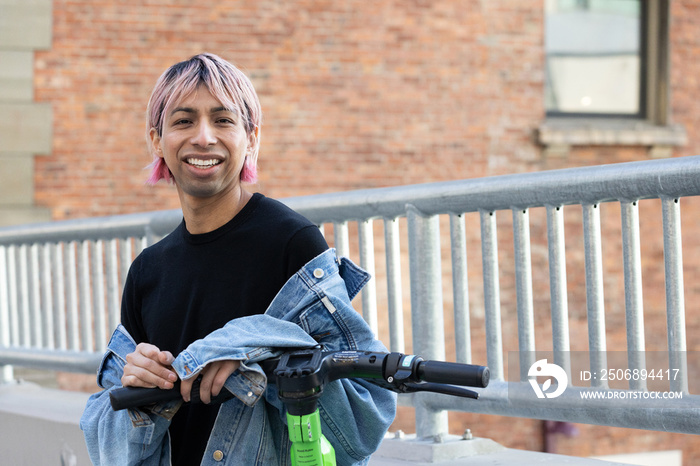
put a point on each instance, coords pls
(241, 274)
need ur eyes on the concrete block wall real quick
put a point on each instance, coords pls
(25, 125)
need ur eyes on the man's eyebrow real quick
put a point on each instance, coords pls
(223, 109)
(183, 109)
(192, 110)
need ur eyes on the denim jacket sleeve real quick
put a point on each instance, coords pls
(314, 307)
(128, 437)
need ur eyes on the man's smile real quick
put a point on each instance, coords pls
(202, 163)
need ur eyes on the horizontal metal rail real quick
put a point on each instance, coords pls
(60, 282)
(501, 398)
(52, 359)
(149, 224)
(668, 178)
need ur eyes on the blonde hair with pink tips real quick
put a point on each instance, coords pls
(226, 83)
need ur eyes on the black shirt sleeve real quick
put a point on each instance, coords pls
(130, 310)
(305, 245)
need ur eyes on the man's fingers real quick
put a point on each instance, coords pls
(133, 381)
(135, 376)
(166, 358)
(224, 371)
(214, 378)
(205, 387)
(147, 366)
(186, 389)
(146, 350)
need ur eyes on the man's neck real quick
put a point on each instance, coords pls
(205, 215)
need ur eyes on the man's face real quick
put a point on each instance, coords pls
(204, 145)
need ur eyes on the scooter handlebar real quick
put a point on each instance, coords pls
(468, 375)
(298, 371)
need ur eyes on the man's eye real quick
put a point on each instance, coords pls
(182, 121)
(226, 121)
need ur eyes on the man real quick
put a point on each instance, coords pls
(240, 276)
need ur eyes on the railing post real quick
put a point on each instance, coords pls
(460, 289)
(98, 296)
(12, 299)
(72, 296)
(523, 288)
(426, 307)
(24, 305)
(113, 290)
(37, 330)
(634, 308)
(594, 291)
(369, 292)
(340, 236)
(394, 290)
(59, 295)
(492, 294)
(85, 298)
(675, 301)
(557, 286)
(125, 258)
(6, 373)
(47, 310)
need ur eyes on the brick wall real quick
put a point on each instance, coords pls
(355, 94)
(373, 93)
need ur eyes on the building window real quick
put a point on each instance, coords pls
(594, 57)
(607, 76)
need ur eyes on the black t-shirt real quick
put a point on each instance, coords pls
(186, 286)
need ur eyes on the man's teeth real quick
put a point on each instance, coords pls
(199, 163)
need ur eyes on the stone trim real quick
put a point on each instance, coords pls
(25, 126)
(26, 24)
(558, 135)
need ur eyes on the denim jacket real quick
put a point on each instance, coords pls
(312, 307)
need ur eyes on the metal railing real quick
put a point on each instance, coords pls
(60, 282)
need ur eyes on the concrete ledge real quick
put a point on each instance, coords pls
(456, 451)
(608, 131)
(40, 426)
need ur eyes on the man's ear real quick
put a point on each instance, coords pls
(155, 142)
(253, 137)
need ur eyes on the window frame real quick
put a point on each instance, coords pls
(651, 127)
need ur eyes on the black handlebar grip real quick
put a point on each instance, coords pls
(467, 375)
(136, 397)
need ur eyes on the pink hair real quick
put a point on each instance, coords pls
(249, 174)
(159, 171)
(226, 83)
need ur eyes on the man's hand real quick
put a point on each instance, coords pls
(214, 376)
(149, 367)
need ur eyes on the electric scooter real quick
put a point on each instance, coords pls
(301, 375)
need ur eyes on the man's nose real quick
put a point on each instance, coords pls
(205, 135)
